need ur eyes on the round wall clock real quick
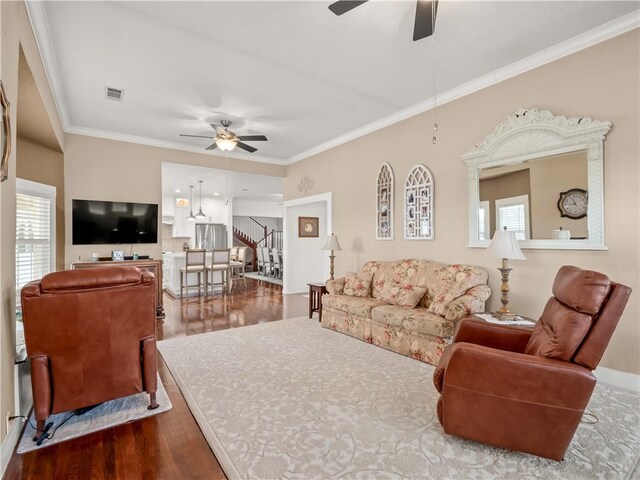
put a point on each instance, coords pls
(573, 203)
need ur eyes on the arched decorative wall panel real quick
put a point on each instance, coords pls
(418, 204)
(384, 203)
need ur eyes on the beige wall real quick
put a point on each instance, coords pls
(549, 177)
(43, 165)
(507, 185)
(600, 82)
(99, 169)
(15, 32)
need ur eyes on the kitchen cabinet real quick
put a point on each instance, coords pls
(181, 226)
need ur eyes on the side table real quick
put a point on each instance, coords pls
(316, 290)
(508, 323)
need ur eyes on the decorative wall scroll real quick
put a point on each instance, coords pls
(418, 204)
(384, 203)
(5, 135)
(306, 184)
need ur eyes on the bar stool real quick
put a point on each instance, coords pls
(194, 263)
(238, 266)
(220, 262)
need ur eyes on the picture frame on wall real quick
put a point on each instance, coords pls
(308, 227)
(5, 135)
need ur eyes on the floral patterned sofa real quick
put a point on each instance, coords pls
(421, 332)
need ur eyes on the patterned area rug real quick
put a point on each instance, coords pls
(290, 399)
(106, 415)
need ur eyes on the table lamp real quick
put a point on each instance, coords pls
(504, 245)
(332, 245)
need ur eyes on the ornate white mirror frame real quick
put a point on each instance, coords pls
(531, 134)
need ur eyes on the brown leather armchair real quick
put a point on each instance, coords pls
(526, 390)
(90, 335)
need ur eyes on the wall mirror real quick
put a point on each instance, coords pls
(542, 176)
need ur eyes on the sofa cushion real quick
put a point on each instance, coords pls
(426, 273)
(358, 284)
(413, 320)
(451, 282)
(360, 306)
(403, 294)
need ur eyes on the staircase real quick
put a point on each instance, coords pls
(255, 235)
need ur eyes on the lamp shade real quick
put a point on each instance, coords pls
(505, 245)
(332, 244)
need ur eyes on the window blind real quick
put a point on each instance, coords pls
(33, 239)
(513, 217)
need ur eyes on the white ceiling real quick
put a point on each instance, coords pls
(239, 185)
(290, 70)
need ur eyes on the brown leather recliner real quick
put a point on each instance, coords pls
(90, 335)
(527, 390)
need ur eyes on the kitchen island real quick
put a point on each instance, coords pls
(172, 262)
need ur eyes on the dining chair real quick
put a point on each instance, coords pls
(220, 262)
(238, 267)
(275, 255)
(260, 255)
(194, 263)
(266, 254)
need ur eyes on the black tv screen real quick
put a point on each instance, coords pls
(99, 222)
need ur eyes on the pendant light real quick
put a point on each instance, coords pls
(191, 217)
(200, 215)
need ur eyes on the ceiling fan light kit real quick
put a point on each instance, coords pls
(227, 140)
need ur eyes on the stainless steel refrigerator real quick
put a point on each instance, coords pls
(211, 236)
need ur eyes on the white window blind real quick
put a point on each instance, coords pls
(513, 213)
(483, 221)
(35, 226)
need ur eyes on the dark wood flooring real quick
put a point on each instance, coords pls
(169, 445)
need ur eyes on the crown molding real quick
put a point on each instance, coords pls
(40, 26)
(38, 18)
(152, 142)
(587, 39)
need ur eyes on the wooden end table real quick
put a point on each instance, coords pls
(316, 290)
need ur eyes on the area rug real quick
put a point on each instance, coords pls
(257, 276)
(290, 399)
(106, 415)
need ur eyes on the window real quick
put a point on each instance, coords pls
(35, 232)
(513, 213)
(483, 221)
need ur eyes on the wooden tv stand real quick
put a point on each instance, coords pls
(153, 266)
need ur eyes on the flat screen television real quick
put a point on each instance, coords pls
(99, 222)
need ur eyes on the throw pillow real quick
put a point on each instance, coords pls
(404, 295)
(452, 283)
(358, 284)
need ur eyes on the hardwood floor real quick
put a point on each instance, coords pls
(169, 445)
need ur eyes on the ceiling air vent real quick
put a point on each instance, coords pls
(114, 94)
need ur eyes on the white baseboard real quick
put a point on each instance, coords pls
(630, 381)
(9, 443)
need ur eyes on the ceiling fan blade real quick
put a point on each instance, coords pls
(197, 136)
(343, 6)
(425, 18)
(216, 127)
(212, 146)
(246, 147)
(253, 138)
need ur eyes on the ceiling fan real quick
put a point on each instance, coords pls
(425, 15)
(226, 140)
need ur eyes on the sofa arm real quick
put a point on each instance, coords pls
(501, 337)
(516, 376)
(470, 302)
(335, 286)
